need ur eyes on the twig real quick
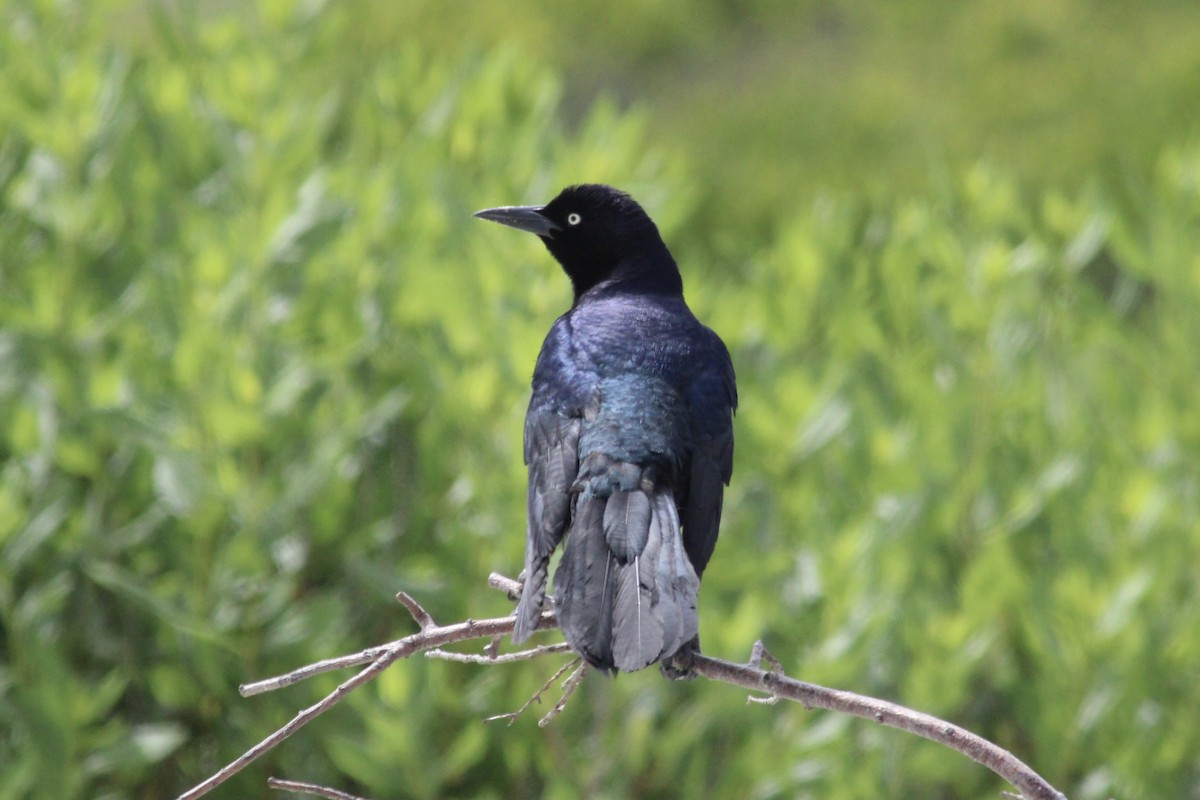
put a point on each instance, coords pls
(310, 788)
(506, 658)
(402, 648)
(750, 676)
(511, 716)
(507, 585)
(368, 656)
(568, 688)
(995, 758)
(757, 653)
(371, 654)
(492, 651)
(419, 614)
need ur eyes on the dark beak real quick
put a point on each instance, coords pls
(523, 218)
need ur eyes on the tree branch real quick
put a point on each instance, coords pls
(811, 696)
(300, 787)
(387, 655)
(512, 716)
(749, 676)
(507, 658)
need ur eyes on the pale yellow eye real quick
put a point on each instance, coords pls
(573, 218)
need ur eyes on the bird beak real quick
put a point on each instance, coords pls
(523, 218)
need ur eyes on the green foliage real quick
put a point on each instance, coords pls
(989, 484)
(778, 100)
(259, 370)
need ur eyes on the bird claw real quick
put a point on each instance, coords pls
(679, 665)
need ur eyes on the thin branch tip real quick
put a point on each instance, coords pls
(418, 612)
(505, 584)
(568, 688)
(760, 653)
(302, 787)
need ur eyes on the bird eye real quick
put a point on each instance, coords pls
(573, 218)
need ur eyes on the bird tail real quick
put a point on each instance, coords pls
(625, 590)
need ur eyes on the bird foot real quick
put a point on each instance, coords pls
(678, 665)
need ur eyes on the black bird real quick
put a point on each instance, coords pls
(628, 438)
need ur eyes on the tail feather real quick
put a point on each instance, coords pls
(625, 590)
(677, 579)
(585, 584)
(637, 633)
(627, 517)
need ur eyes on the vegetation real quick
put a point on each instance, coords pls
(252, 348)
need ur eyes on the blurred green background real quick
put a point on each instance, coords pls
(259, 370)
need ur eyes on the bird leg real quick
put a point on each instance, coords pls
(678, 665)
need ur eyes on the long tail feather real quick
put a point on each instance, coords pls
(626, 591)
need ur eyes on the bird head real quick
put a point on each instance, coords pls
(596, 233)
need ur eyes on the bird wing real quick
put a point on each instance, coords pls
(713, 399)
(552, 455)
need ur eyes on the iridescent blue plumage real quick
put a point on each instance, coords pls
(628, 438)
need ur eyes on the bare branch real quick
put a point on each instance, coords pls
(750, 676)
(310, 788)
(995, 758)
(512, 716)
(492, 651)
(506, 658)
(402, 648)
(568, 688)
(759, 652)
(507, 585)
(367, 656)
(371, 654)
(418, 612)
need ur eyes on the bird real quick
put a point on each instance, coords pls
(628, 439)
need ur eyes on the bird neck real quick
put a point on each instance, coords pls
(657, 274)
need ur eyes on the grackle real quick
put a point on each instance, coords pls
(628, 439)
